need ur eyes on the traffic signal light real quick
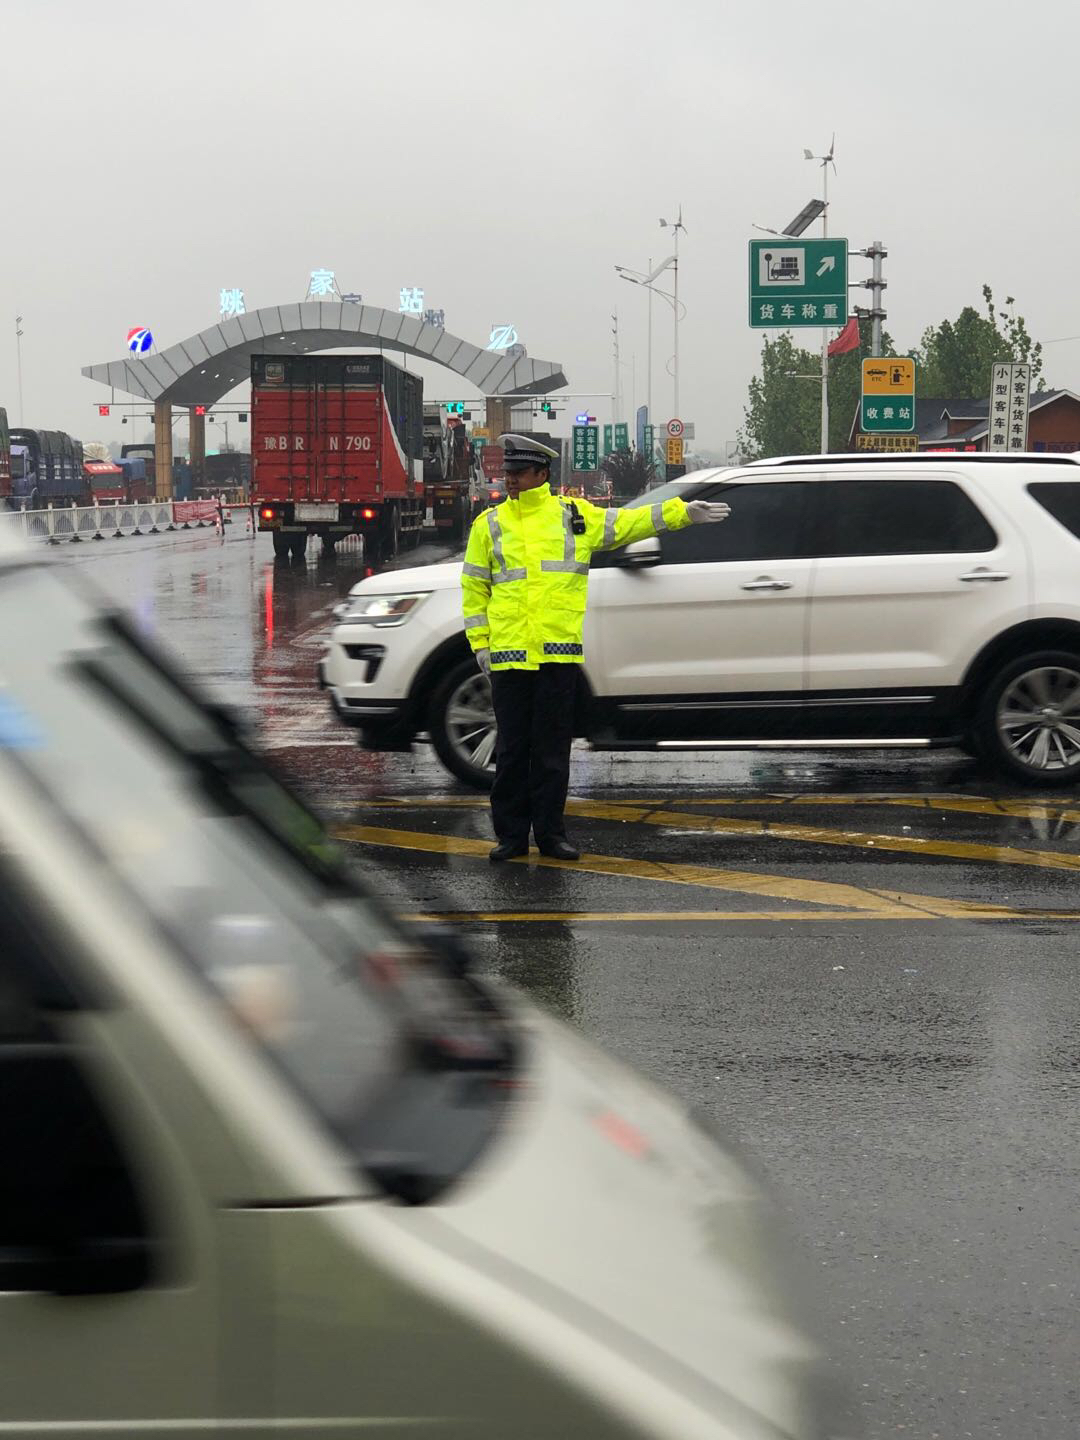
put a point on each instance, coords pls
(546, 407)
(200, 409)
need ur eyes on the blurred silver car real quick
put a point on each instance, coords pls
(273, 1163)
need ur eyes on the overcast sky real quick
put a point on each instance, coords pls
(505, 157)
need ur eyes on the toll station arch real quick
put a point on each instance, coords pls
(205, 367)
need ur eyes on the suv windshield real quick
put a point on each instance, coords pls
(390, 1049)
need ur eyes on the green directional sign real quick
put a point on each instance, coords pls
(607, 440)
(586, 450)
(622, 436)
(884, 416)
(796, 284)
(649, 440)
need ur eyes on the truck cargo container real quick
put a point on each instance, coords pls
(337, 449)
(52, 469)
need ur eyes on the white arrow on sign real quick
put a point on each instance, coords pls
(829, 263)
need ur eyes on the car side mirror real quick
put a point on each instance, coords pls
(639, 556)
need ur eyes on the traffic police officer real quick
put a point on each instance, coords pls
(523, 588)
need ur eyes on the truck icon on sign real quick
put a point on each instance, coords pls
(782, 267)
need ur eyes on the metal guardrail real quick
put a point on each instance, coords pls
(109, 521)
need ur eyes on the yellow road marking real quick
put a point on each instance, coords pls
(1007, 808)
(628, 812)
(574, 917)
(957, 804)
(822, 892)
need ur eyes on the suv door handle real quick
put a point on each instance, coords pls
(766, 582)
(984, 574)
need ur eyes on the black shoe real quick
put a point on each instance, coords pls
(508, 850)
(559, 849)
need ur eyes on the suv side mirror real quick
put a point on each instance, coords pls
(639, 556)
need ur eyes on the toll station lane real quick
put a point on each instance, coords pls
(862, 968)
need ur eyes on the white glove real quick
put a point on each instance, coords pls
(707, 512)
(483, 659)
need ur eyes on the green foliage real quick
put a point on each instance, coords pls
(784, 413)
(629, 471)
(954, 358)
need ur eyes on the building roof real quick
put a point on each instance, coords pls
(979, 412)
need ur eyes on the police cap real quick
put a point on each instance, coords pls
(524, 452)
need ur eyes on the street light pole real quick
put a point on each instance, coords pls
(676, 225)
(826, 161)
(648, 386)
(617, 394)
(18, 357)
(825, 338)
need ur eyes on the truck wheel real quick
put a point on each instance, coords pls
(281, 544)
(1028, 722)
(298, 545)
(457, 529)
(461, 722)
(390, 537)
(329, 544)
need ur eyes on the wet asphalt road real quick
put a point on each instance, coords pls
(864, 969)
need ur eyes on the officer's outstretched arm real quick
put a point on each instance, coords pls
(476, 586)
(608, 529)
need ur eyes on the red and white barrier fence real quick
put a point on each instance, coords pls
(116, 519)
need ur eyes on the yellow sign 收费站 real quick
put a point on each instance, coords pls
(891, 375)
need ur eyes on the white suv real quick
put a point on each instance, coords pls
(848, 601)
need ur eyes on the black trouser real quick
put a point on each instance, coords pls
(534, 710)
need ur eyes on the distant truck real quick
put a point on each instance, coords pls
(447, 465)
(227, 470)
(50, 469)
(129, 480)
(337, 449)
(5, 457)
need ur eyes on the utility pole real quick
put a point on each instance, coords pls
(18, 356)
(876, 252)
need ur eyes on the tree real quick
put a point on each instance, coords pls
(784, 413)
(783, 416)
(629, 471)
(953, 359)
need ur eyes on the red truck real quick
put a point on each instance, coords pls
(337, 449)
(5, 457)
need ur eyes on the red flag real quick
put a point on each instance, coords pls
(848, 339)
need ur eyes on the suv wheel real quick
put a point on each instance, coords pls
(1028, 723)
(461, 721)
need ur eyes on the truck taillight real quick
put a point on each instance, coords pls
(267, 512)
(367, 514)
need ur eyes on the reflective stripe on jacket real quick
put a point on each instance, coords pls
(526, 573)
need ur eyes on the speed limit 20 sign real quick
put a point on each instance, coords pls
(675, 429)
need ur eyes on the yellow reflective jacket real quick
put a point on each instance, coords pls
(526, 573)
